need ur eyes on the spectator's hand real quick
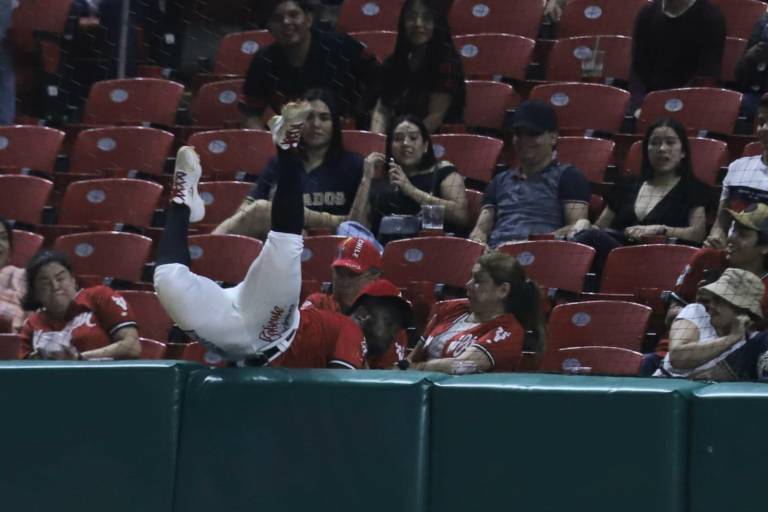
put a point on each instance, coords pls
(637, 232)
(758, 52)
(552, 10)
(399, 179)
(373, 166)
(578, 227)
(479, 237)
(715, 241)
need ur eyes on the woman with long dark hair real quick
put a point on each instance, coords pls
(424, 75)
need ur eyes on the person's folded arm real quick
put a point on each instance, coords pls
(125, 345)
(477, 359)
(687, 352)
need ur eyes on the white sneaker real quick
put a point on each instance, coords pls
(286, 128)
(186, 174)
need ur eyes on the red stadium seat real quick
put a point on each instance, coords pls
(582, 107)
(630, 269)
(196, 351)
(22, 198)
(31, 16)
(480, 55)
(133, 101)
(753, 149)
(380, 43)
(226, 153)
(151, 349)
(364, 142)
(366, 15)
(592, 156)
(487, 103)
(608, 323)
(594, 361)
(236, 51)
(319, 252)
(110, 200)
(599, 17)
(707, 157)
(698, 108)
(519, 17)
(216, 104)
(222, 198)
(734, 50)
(106, 254)
(474, 205)
(150, 316)
(553, 263)
(25, 245)
(10, 346)
(475, 156)
(29, 147)
(121, 151)
(224, 258)
(564, 63)
(740, 16)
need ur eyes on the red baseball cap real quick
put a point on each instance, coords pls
(358, 255)
(383, 288)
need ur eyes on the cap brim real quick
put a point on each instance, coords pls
(530, 127)
(736, 218)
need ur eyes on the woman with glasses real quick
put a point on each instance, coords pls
(424, 76)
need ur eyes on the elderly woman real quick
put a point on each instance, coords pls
(12, 283)
(407, 178)
(424, 75)
(485, 332)
(707, 337)
(72, 323)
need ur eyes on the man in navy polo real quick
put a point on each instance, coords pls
(542, 195)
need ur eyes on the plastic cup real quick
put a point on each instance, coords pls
(432, 216)
(592, 67)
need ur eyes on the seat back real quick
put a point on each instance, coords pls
(697, 108)
(474, 205)
(732, 53)
(111, 200)
(29, 147)
(521, 17)
(487, 103)
(226, 153)
(594, 361)
(216, 103)
(236, 51)
(707, 157)
(480, 55)
(106, 254)
(22, 198)
(224, 258)
(25, 245)
(151, 349)
(444, 259)
(133, 101)
(153, 321)
(630, 269)
(553, 263)
(753, 149)
(10, 346)
(222, 198)
(564, 63)
(121, 150)
(366, 15)
(364, 142)
(590, 155)
(599, 17)
(581, 106)
(740, 16)
(380, 43)
(475, 156)
(319, 252)
(30, 16)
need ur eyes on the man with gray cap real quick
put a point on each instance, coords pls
(541, 195)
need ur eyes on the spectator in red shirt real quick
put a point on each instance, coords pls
(485, 331)
(72, 323)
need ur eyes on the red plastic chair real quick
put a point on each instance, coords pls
(487, 103)
(441, 259)
(594, 361)
(216, 104)
(196, 351)
(590, 155)
(29, 147)
(366, 15)
(151, 349)
(698, 108)
(224, 154)
(319, 252)
(22, 198)
(30, 16)
(740, 16)
(121, 151)
(599, 17)
(150, 315)
(106, 254)
(480, 55)
(654, 266)
(236, 51)
(133, 101)
(582, 107)
(364, 142)
(707, 157)
(224, 258)
(222, 198)
(110, 200)
(519, 17)
(380, 43)
(564, 63)
(732, 53)
(10, 346)
(475, 156)
(474, 205)
(553, 263)
(753, 149)
(25, 245)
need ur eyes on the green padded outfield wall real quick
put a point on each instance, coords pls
(729, 449)
(548, 443)
(89, 437)
(304, 440)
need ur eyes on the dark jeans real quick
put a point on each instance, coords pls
(603, 243)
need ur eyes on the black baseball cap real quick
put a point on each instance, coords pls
(532, 116)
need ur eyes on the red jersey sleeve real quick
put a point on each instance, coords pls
(350, 349)
(321, 301)
(111, 309)
(503, 345)
(26, 333)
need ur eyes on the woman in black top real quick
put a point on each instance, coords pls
(666, 200)
(408, 177)
(424, 75)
